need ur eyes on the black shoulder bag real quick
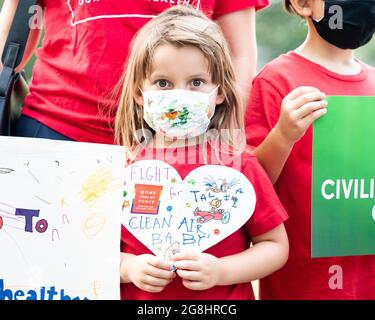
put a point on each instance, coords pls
(12, 84)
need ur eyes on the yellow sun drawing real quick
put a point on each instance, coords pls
(96, 185)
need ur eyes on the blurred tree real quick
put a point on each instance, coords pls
(30, 65)
(277, 32)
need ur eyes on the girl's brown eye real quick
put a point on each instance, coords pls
(197, 83)
(162, 83)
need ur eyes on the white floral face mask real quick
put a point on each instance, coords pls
(177, 113)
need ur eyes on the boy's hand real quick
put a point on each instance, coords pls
(299, 110)
(149, 272)
(199, 271)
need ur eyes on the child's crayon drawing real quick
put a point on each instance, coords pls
(60, 208)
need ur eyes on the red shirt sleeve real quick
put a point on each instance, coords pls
(223, 7)
(262, 112)
(269, 212)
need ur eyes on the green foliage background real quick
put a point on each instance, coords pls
(277, 33)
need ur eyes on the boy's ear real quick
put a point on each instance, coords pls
(302, 7)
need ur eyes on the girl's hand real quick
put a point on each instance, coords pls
(199, 271)
(299, 110)
(149, 272)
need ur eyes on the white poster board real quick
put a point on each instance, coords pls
(60, 219)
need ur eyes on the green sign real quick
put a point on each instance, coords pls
(343, 179)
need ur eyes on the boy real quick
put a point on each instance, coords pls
(325, 65)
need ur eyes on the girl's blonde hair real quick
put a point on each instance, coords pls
(178, 26)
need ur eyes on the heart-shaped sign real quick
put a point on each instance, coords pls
(170, 215)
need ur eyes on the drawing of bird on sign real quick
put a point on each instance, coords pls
(219, 185)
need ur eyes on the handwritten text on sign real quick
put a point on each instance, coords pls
(170, 215)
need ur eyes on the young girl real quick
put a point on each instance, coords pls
(182, 55)
(279, 125)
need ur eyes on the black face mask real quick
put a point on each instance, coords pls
(356, 27)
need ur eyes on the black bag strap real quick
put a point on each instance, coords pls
(12, 56)
(18, 34)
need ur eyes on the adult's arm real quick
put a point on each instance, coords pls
(239, 29)
(6, 17)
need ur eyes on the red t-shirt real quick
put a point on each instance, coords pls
(82, 57)
(268, 214)
(303, 277)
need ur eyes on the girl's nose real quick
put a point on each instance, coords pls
(181, 87)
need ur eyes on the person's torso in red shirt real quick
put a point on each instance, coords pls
(82, 57)
(303, 277)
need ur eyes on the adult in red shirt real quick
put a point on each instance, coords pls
(84, 49)
(283, 137)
